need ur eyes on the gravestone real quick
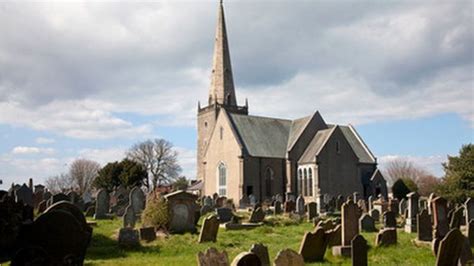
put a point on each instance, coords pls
(224, 215)
(137, 200)
(209, 229)
(313, 246)
(456, 218)
(147, 234)
(57, 198)
(288, 257)
(386, 237)
(262, 253)
(366, 223)
(246, 259)
(279, 197)
(101, 205)
(129, 218)
(466, 254)
(450, 248)
(470, 232)
(339, 202)
(424, 228)
(220, 201)
(206, 209)
(356, 196)
(257, 216)
(362, 206)
(212, 257)
(25, 195)
(183, 211)
(440, 219)
(312, 210)
(300, 205)
(469, 205)
(402, 206)
(359, 251)
(208, 201)
(389, 220)
(290, 206)
(393, 206)
(431, 197)
(350, 228)
(375, 214)
(128, 237)
(72, 209)
(334, 236)
(410, 221)
(42, 206)
(277, 208)
(253, 200)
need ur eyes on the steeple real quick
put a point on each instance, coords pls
(222, 83)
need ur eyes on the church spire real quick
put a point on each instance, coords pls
(222, 83)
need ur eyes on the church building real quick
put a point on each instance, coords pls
(240, 155)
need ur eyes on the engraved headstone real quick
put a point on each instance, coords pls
(359, 251)
(212, 257)
(183, 211)
(129, 218)
(450, 248)
(137, 200)
(375, 214)
(457, 218)
(128, 237)
(389, 220)
(209, 229)
(424, 228)
(313, 246)
(410, 220)
(257, 216)
(300, 205)
(350, 228)
(312, 210)
(288, 257)
(102, 204)
(440, 219)
(277, 208)
(224, 215)
(262, 253)
(366, 223)
(386, 237)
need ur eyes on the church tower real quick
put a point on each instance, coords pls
(221, 91)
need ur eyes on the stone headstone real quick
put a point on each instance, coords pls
(339, 202)
(212, 257)
(359, 251)
(402, 206)
(366, 223)
(205, 209)
(288, 257)
(224, 215)
(137, 200)
(209, 229)
(356, 196)
(470, 232)
(393, 206)
(469, 205)
(466, 254)
(431, 197)
(208, 201)
(129, 218)
(440, 218)
(57, 198)
(300, 205)
(312, 210)
(457, 218)
(102, 204)
(389, 220)
(257, 216)
(350, 228)
(246, 259)
(362, 206)
(313, 246)
(128, 237)
(334, 236)
(450, 248)
(386, 237)
(289, 206)
(252, 200)
(375, 214)
(424, 228)
(410, 220)
(42, 206)
(147, 234)
(183, 211)
(262, 253)
(277, 208)
(24, 194)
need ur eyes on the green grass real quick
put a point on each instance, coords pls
(278, 234)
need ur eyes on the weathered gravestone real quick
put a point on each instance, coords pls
(300, 205)
(262, 253)
(42, 206)
(288, 257)
(212, 257)
(246, 259)
(257, 216)
(206, 209)
(209, 229)
(333, 236)
(410, 220)
(431, 197)
(456, 218)
(359, 251)
(440, 219)
(128, 237)
(277, 208)
(147, 234)
(424, 228)
(402, 206)
(72, 209)
(450, 248)
(393, 206)
(102, 204)
(366, 223)
(356, 197)
(208, 201)
(313, 246)
(389, 220)
(312, 210)
(362, 206)
(350, 228)
(24, 194)
(129, 218)
(469, 205)
(57, 198)
(137, 200)
(375, 214)
(290, 206)
(182, 208)
(339, 202)
(386, 237)
(470, 232)
(224, 215)
(253, 200)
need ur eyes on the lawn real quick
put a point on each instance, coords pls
(182, 249)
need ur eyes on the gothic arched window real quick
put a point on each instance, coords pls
(222, 179)
(305, 183)
(300, 182)
(268, 182)
(310, 182)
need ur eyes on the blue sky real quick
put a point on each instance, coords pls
(88, 80)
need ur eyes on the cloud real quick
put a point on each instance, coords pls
(42, 140)
(187, 160)
(31, 150)
(103, 156)
(432, 164)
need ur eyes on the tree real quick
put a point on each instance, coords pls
(59, 183)
(109, 176)
(83, 172)
(458, 182)
(127, 173)
(403, 169)
(400, 189)
(427, 184)
(159, 158)
(181, 183)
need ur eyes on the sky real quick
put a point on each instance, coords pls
(89, 80)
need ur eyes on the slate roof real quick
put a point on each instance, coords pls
(297, 126)
(357, 145)
(316, 145)
(262, 136)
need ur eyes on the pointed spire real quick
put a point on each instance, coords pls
(222, 82)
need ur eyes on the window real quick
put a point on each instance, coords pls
(205, 124)
(300, 181)
(221, 132)
(338, 148)
(222, 176)
(268, 182)
(310, 181)
(305, 183)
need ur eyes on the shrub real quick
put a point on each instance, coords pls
(400, 189)
(156, 211)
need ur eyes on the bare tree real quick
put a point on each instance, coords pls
(59, 183)
(83, 172)
(403, 169)
(159, 158)
(427, 184)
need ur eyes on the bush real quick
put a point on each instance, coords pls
(156, 211)
(400, 189)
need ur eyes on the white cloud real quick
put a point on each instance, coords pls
(103, 156)
(431, 163)
(187, 160)
(42, 140)
(31, 150)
